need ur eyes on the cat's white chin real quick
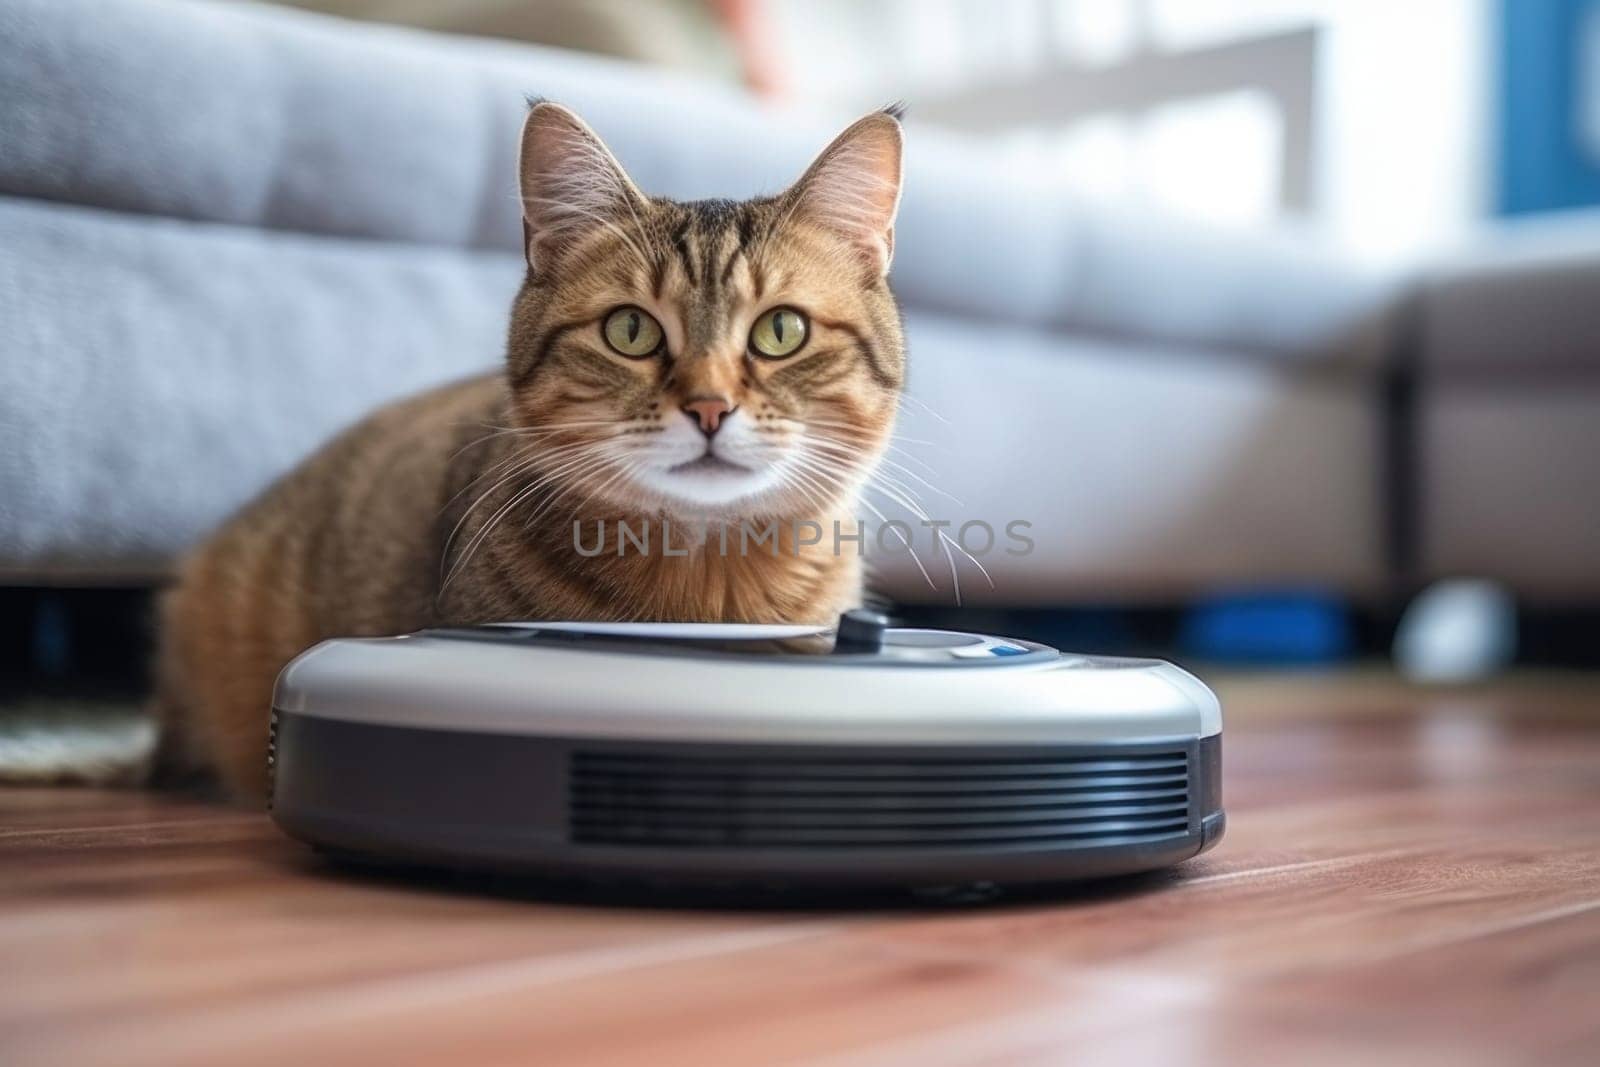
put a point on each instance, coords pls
(707, 484)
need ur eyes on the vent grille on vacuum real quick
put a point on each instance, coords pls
(780, 801)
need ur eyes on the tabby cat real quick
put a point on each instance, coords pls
(689, 362)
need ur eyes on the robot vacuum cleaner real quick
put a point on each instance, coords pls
(788, 757)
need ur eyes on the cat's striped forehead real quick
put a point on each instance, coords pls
(705, 240)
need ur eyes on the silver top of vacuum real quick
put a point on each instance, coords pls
(862, 682)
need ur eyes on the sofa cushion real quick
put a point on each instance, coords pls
(160, 372)
(1158, 470)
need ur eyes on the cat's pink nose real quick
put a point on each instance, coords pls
(708, 412)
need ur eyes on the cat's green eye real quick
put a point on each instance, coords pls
(632, 332)
(778, 333)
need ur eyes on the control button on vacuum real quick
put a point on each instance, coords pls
(860, 631)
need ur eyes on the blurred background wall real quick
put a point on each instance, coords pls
(1369, 121)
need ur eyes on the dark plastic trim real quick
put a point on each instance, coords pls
(500, 804)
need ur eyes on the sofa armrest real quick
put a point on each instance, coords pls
(1521, 303)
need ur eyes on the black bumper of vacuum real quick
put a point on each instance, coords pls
(739, 815)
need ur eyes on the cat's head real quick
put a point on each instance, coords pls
(714, 357)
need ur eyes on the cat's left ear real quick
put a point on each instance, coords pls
(853, 187)
(571, 183)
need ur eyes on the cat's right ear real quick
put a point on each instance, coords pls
(853, 187)
(571, 183)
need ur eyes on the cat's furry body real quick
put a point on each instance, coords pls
(457, 506)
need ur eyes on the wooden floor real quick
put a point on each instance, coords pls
(1407, 879)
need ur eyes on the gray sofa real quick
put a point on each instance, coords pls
(227, 230)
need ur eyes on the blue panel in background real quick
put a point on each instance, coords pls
(1545, 49)
(1291, 627)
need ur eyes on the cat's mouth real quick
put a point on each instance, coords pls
(709, 464)
(709, 480)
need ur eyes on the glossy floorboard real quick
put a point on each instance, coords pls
(1408, 878)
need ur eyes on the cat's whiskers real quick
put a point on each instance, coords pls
(813, 492)
(577, 457)
(537, 434)
(519, 457)
(520, 462)
(907, 398)
(895, 437)
(910, 457)
(499, 432)
(571, 480)
(906, 498)
(891, 445)
(864, 502)
(549, 427)
(845, 452)
(494, 520)
(519, 453)
(626, 469)
(845, 457)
